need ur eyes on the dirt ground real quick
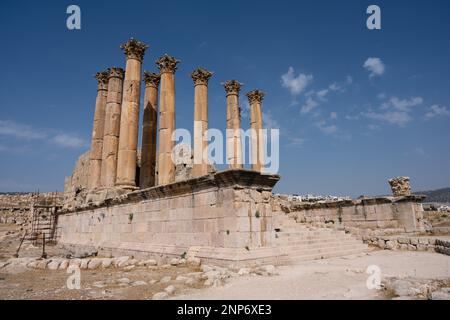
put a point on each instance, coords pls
(336, 278)
(25, 283)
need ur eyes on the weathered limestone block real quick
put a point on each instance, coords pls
(400, 186)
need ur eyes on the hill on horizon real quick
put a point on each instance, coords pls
(438, 195)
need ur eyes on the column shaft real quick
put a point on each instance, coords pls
(234, 138)
(112, 127)
(149, 131)
(257, 139)
(201, 78)
(129, 118)
(166, 166)
(95, 155)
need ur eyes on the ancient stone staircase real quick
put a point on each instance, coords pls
(303, 242)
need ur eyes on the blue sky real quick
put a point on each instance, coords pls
(354, 107)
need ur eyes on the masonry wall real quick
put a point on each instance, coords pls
(402, 213)
(230, 217)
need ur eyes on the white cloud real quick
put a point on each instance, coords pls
(310, 105)
(296, 85)
(20, 131)
(25, 132)
(435, 111)
(403, 105)
(296, 142)
(269, 121)
(322, 94)
(375, 66)
(68, 140)
(333, 115)
(328, 129)
(395, 111)
(399, 118)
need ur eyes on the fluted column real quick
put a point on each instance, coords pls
(166, 167)
(129, 118)
(112, 127)
(95, 155)
(257, 139)
(234, 139)
(201, 78)
(149, 127)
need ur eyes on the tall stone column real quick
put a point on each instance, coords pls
(95, 155)
(112, 127)
(166, 167)
(149, 127)
(257, 139)
(234, 139)
(201, 78)
(129, 118)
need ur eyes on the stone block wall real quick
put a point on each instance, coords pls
(229, 210)
(404, 214)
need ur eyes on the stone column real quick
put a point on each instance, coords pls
(112, 127)
(201, 78)
(257, 139)
(166, 167)
(129, 118)
(95, 155)
(149, 127)
(234, 139)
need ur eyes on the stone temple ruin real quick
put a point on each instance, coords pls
(121, 200)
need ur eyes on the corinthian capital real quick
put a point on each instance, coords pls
(116, 73)
(102, 79)
(151, 79)
(201, 76)
(167, 63)
(255, 96)
(134, 49)
(232, 86)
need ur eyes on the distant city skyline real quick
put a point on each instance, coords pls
(354, 106)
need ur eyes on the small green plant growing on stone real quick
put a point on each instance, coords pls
(130, 217)
(257, 214)
(183, 255)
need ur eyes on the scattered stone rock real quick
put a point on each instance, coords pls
(391, 245)
(138, 283)
(244, 271)
(160, 296)
(174, 262)
(165, 279)
(84, 263)
(441, 294)
(95, 263)
(106, 263)
(124, 280)
(64, 264)
(181, 278)
(170, 289)
(53, 265)
(193, 261)
(120, 261)
(129, 268)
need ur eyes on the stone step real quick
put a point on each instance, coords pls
(322, 249)
(312, 242)
(310, 235)
(320, 256)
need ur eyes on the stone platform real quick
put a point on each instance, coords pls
(222, 218)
